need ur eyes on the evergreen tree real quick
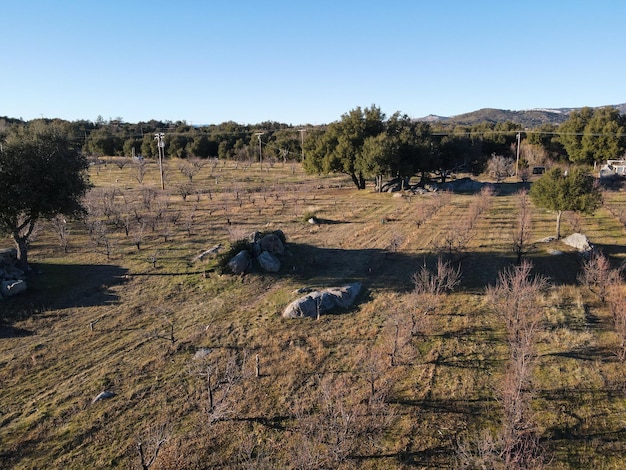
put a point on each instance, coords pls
(41, 175)
(566, 191)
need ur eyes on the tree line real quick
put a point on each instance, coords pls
(364, 143)
(228, 140)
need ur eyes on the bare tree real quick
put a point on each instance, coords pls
(191, 167)
(482, 451)
(148, 196)
(213, 162)
(221, 374)
(521, 448)
(421, 213)
(616, 300)
(150, 444)
(99, 234)
(480, 203)
(444, 278)
(185, 190)
(140, 169)
(597, 274)
(453, 242)
(516, 300)
(500, 167)
(328, 435)
(169, 320)
(139, 234)
(522, 230)
(62, 231)
(121, 162)
(190, 221)
(430, 285)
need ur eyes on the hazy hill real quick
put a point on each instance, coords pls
(527, 118)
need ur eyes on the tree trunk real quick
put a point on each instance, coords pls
(358, 180)
(379, 183)
(22, 252)
(361, 181)
(558, 224)
(355, 180)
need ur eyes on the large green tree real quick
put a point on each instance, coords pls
(42, 174)
(364, 144)
(560, 191)
(339, 149)
(413, 146)
(104, 142)
(593, 135)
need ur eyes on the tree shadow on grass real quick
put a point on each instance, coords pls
(589, 354)
(61, 286)
(7, 331)
(612, 251)
(392, 270)
(324, 267)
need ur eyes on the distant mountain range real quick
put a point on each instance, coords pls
(528, 118)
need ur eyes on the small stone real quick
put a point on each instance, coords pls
(103, 396)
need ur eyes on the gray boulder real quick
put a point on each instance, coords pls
(11, 272)
(345, 296)
(272, 243)
(578, 241)
(8, 256)
(324, 301)
(241, 262)
(12, 287)
(268, 262)
(280, 234)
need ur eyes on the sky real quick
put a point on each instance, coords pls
(297, 62)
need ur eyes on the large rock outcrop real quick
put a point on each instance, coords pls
(317, 303)
(263, 250)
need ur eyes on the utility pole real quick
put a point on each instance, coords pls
(302, 131)
(517, 159)
(259, 134)
(161, 148)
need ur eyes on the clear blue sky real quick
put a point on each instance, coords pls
(299, 62)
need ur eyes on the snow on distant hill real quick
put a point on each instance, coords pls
(527, 118)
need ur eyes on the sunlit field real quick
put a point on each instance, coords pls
(205, 373)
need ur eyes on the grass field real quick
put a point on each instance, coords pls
(204, 369)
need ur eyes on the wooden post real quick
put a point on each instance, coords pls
(210, 390)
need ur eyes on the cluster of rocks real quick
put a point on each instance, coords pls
(11, 278)
(264, 250)
(324, 301)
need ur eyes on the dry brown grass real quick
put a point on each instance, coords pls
(327, 395)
